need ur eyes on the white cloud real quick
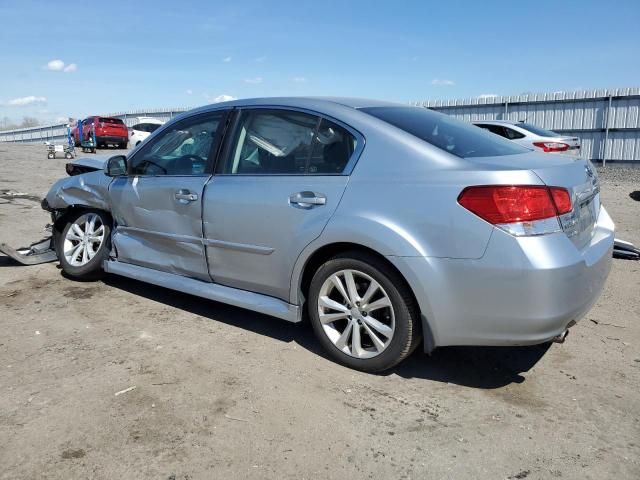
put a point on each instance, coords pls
(441, 82)
(188, 91)
(55, 65)
(224, 98)
(219, 98)
(25, 101)
(226, 59)
(487, 95)
(253, 80)
(299, 79)
(58, 65)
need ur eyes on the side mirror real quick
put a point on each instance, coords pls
(116, 166)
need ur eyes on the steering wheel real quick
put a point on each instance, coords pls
(195, 160)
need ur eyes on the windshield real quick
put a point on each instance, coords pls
(446, 133)
(537, 130)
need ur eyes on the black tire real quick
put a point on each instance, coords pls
(407, 333)
(123, 146)
(92, 270)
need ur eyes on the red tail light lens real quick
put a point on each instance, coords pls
(501, 204)
(552, 146)
(562, 199)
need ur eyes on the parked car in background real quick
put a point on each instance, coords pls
(142, 129)
(109, 131)
(392, 225)
(532, 136)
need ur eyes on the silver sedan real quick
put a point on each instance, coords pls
(391, 226)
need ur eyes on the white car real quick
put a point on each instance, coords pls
(531, 136)
(141, 130)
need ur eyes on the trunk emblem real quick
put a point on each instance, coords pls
(589, 171)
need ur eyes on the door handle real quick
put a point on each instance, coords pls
(307, 200)
(185, 196)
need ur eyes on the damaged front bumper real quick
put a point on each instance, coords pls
(42, 251)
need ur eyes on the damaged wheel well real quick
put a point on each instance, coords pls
(60, 216)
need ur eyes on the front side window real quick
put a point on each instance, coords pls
(282, 142)
(183, 149)
(448, 134)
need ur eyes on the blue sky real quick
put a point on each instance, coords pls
(123, 55)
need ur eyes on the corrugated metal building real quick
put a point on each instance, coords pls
(606, 121)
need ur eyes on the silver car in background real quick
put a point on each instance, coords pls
(531, 136)
(391, 226)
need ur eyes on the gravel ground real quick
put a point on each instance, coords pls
(212, 391)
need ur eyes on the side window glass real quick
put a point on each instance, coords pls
(513, 134)
(497, 129)
(332, 149)
(183, 149)
(268, 142)
(137, 127)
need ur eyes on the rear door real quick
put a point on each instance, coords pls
(158, 207)
(280, 180)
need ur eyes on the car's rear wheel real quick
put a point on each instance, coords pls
(362, 312)
(83, 244)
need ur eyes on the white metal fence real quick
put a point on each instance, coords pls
(606, 121)
(58, 131)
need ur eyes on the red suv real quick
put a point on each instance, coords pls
(108, 131)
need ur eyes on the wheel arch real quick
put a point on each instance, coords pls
(313, 260)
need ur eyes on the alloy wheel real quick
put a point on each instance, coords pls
(356, 313)
(84, 238)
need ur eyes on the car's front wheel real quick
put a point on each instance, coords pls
(83, 243)
(362, 312)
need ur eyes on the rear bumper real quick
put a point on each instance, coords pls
(524, 290)
(112, 139)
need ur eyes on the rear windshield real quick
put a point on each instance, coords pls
(453, 136)
(110, 120)
(537, 130)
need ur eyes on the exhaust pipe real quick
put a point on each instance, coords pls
(562, 337)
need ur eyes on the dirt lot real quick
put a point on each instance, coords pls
(222, 392)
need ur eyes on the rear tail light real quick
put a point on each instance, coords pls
(552, 146)
(518, 209)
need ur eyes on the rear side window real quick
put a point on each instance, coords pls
(512, 134)
(283, 142)
(537, 130)
(497, 129)
(115, 121)
(332, 149)
(453, 136)
(146, 127)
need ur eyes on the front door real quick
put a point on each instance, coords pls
(157, 208)
(280, 180)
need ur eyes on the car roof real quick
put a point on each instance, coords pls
(311, 103)
(497, 122)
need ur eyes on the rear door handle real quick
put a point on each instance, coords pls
(185, 196)
(307, 200)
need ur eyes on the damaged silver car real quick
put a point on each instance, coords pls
(391, 226)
